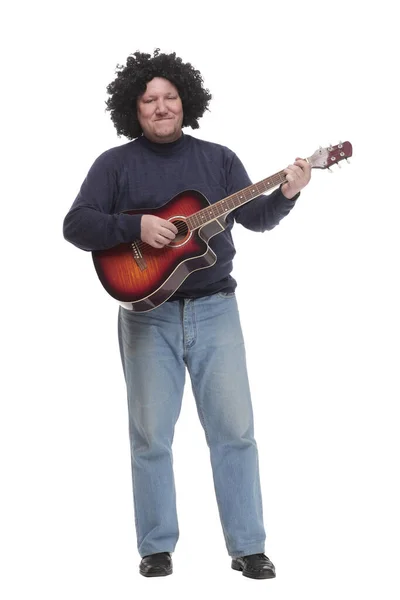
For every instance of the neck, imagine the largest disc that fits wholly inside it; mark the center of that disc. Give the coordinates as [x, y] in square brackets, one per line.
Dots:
[163, 140]
[166, 148]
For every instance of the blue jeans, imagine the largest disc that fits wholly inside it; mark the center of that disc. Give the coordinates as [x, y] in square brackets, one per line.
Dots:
[203, 335]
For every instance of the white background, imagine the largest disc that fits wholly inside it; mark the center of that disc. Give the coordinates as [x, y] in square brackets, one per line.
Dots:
[318, 298]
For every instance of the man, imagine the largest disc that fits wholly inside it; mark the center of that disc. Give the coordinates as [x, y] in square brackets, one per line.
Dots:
[198, 328]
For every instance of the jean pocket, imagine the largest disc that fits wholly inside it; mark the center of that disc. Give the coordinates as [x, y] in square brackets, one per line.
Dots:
[226, 294]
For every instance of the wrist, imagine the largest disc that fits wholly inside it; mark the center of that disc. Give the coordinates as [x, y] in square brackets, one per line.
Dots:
[287, 194]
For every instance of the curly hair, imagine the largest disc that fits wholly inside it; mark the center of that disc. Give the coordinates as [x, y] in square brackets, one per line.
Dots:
[131, 82]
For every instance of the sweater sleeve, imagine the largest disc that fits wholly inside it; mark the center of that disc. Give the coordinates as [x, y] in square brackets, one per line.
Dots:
[91, 223]
[262, 213]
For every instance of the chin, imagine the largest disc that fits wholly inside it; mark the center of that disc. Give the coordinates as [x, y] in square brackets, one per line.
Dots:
[164, 134]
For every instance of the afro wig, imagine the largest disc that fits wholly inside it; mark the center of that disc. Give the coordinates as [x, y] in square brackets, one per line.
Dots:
[131, 82]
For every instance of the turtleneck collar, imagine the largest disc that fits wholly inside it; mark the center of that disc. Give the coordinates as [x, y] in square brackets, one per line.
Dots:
[167, 148]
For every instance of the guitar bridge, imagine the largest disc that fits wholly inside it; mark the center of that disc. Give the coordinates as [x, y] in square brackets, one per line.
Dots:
[138, 257]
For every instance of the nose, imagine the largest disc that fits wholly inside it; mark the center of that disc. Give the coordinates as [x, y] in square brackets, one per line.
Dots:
[161, 108]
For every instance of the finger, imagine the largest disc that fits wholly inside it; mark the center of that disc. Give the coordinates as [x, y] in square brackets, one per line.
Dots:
[288, 170]
[161, 239]
[170, 226]
[156, 244]
[294, 170]
[303, 164]
[288, 174]
[167, 233]
[305, 172]
[289, 177]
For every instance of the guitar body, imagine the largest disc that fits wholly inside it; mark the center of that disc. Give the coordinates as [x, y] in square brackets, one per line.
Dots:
[141, 277]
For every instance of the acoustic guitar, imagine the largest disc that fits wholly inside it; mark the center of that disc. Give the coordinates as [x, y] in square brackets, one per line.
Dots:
[141, 277]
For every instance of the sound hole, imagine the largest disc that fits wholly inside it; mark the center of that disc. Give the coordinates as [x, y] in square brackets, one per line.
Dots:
[183, 232]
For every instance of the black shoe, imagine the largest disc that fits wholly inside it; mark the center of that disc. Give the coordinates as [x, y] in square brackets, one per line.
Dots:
[256, 566]
[156, 565]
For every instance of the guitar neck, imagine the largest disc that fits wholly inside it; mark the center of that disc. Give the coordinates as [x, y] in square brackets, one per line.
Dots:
[228, 204]
[323, 158]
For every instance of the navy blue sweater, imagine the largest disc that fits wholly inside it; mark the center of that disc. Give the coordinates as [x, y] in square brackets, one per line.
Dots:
[143, 174]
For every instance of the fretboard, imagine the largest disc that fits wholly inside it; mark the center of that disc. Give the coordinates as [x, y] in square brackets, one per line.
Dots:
[231, 202]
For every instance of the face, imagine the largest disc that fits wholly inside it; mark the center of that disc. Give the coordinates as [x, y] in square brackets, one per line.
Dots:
[160, 112]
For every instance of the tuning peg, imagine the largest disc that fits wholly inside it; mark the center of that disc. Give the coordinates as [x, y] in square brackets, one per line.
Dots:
[348, 160]
[330, 170]
[338, 164]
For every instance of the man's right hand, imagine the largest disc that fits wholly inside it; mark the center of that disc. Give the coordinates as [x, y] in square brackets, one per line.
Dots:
[157, 232]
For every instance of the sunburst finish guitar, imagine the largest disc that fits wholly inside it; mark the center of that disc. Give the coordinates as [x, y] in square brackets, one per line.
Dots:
[141, 277]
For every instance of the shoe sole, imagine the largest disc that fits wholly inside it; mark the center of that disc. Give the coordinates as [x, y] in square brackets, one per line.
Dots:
[156, 573]
[266, 575]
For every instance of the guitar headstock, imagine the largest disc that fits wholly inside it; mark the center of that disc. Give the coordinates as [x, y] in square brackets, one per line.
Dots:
[326, 157]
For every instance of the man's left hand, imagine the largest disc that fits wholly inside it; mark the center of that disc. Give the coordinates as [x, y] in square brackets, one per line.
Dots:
[298, 176]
